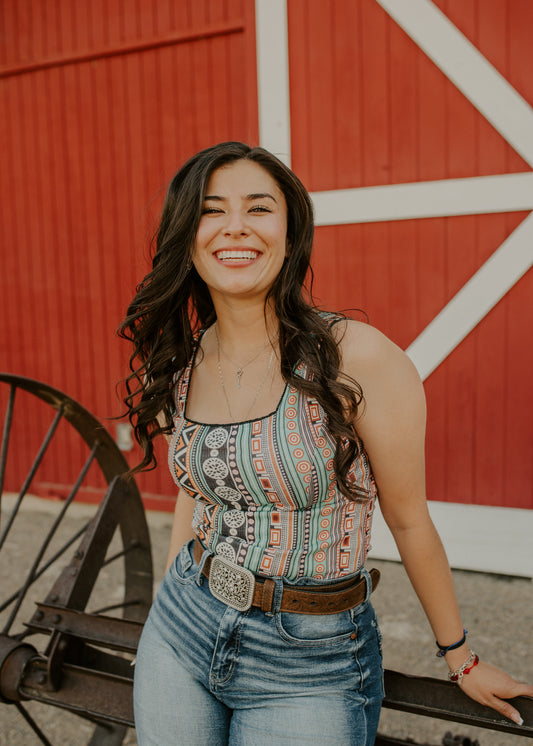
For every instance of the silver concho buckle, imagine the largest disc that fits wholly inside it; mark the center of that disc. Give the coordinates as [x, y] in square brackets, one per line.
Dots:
[231, 584]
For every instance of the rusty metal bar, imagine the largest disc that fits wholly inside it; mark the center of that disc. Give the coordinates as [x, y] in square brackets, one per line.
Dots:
[97, 659]
[75, 583]
[94, 694]
[40, 454]
[119, 634]
[441, 699]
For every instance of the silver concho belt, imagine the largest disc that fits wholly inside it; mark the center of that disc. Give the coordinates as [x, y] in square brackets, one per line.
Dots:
[231, 584]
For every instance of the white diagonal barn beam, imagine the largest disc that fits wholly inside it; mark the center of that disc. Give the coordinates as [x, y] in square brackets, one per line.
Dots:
[512, 116]
[272, 52]
[468, 69]
[475, 299]
[425, 199]
[492, 95]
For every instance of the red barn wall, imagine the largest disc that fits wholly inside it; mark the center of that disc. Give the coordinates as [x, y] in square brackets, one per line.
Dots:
[101, 106]
[101, 103]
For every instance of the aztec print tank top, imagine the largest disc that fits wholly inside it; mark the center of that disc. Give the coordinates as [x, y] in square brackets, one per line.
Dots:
[265, 491]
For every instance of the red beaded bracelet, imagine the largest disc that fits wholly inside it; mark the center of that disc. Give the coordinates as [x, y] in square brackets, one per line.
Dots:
[467, 666]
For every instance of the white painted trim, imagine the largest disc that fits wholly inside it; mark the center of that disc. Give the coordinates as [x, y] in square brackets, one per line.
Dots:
[272, 50]
[425, 199]
[476, 537]
[475, 299]
[468, 69]
[478, 195]
[496, 99]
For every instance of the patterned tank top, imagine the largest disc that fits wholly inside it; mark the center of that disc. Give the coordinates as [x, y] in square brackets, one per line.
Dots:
[265, 490]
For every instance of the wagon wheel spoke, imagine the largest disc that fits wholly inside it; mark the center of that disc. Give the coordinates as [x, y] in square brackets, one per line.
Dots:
[100, 566]
[8, 419]
[48, 538]
[33, 469]
[46, 566]
[33, 725]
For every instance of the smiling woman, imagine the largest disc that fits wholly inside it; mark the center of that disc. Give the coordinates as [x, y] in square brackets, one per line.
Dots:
[285, 424]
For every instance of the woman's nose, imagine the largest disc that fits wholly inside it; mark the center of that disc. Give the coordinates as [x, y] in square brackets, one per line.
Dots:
[235, 224]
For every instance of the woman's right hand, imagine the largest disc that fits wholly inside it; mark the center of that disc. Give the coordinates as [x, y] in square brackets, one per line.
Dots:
[492, 687]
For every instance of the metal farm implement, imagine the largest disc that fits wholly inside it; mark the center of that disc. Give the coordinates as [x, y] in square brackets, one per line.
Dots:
[71, 619]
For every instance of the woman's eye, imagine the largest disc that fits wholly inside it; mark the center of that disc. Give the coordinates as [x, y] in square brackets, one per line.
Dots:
[259, 208]
[210, 210]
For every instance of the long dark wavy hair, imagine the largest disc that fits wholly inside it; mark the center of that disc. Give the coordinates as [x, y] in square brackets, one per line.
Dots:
[172, 303]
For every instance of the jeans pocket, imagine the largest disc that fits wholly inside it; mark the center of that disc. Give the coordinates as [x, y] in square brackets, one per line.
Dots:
[184, 569]
[315, 630]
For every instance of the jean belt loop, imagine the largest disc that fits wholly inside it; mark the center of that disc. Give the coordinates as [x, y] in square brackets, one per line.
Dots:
[278, 593]
[200, 577]
[366, 575]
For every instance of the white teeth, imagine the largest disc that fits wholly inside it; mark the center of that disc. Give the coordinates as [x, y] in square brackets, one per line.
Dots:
[249, 255]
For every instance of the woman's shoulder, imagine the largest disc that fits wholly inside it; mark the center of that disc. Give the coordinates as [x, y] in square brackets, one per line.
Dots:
[359, 337]
[390, 382]
[366, 351]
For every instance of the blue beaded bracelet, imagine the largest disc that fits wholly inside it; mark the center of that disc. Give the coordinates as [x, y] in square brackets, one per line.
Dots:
[443, 649]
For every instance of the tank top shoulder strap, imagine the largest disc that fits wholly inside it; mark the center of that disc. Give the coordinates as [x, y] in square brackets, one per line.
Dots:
[182, 378]
[331, 318]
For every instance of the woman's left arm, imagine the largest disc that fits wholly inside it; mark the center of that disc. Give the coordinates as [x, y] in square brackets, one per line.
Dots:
[392, 427]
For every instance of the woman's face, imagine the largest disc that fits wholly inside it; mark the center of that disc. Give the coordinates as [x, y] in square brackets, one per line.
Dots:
[241, 241]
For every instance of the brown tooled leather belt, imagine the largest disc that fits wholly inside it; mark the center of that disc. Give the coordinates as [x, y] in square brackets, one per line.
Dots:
[327, 599]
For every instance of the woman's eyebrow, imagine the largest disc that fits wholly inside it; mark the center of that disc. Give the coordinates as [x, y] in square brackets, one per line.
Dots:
[249, 197]
[260, 195]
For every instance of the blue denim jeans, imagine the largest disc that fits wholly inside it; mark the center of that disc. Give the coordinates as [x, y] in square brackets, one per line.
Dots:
[208, 675]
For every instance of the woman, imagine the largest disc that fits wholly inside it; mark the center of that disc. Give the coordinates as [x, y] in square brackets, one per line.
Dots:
[284, 424]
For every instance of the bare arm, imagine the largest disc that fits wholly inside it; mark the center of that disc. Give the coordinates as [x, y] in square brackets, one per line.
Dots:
[181, 525]
[392, 427]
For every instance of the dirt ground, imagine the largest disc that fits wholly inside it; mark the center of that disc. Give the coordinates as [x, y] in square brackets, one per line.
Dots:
[497, 611]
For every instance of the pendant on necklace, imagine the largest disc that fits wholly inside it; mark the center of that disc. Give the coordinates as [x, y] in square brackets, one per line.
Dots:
[239, 374]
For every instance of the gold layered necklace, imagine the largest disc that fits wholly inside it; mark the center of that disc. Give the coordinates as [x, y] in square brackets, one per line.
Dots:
[240, 370]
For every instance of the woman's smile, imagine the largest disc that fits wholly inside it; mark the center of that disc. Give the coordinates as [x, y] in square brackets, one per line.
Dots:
[237, 256]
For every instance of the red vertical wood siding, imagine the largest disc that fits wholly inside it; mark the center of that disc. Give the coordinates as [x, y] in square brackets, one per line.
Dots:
[369, 108]
[101, 102]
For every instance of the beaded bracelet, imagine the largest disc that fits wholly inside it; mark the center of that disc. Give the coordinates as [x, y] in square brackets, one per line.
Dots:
[467, 666]
[443, 649]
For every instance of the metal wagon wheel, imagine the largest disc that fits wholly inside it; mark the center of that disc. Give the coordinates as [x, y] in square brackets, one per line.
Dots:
[89, 639]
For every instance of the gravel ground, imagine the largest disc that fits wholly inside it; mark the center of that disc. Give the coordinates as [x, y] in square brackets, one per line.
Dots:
[497, 610]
